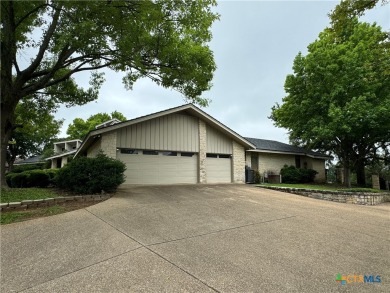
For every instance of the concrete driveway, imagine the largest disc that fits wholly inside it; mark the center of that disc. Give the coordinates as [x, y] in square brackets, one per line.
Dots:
[199, 238]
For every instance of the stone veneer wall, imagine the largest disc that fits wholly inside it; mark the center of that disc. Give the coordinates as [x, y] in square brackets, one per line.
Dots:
[202, 151]
[238, 163]
[108, 144]
[274, 162]
[94, 149]
[337, 196]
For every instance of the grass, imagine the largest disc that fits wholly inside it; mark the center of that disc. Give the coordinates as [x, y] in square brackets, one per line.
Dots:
[19, 194]
[17, 216]
[322, 187]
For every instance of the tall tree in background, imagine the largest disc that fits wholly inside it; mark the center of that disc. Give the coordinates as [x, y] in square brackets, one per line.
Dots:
[164, 40]
[338, 98]
[79, 128]
[38, 127]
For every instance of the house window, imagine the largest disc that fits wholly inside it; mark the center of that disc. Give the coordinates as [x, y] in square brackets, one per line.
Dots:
[221, 156]
[170, 154]
[129, 151]
[153, 153]
[187, 154]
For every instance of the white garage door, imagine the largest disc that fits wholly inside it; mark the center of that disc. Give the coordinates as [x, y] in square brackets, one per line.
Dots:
[153, 167]
[218, 168]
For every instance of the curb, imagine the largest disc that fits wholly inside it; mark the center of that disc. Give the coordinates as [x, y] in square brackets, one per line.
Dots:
[26, 204]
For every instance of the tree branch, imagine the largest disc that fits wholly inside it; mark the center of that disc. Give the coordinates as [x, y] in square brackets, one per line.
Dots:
[29, 13]
[23, 77]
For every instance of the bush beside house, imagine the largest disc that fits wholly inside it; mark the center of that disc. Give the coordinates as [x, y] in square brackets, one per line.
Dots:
[291, 174]
[91, 175]
[31, 178]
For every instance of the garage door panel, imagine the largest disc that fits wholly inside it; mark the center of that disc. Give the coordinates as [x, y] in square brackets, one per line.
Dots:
[219, 170]
[159, 169]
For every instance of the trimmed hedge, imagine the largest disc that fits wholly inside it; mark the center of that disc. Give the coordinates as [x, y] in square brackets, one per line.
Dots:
[33, 178]
[27, 167]
[291, 174]
[91, 175]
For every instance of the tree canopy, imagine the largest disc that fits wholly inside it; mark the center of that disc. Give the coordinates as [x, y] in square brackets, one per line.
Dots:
[338, 98]
[38, 127]
[79, 128]
[45, 43]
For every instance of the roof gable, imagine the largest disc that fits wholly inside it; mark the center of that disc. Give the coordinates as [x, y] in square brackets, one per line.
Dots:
[188, 109]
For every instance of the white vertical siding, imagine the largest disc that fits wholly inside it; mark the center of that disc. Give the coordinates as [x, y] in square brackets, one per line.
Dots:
[173, 132]
[217, 142]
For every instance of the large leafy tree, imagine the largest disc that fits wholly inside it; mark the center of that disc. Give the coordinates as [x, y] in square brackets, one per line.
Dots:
[45, 43]
[338, 98]
[38, 127]
[79, 128]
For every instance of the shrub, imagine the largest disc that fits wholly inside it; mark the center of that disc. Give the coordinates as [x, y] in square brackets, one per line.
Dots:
[291, 174]
[307, 175]
[257, 178]
[17, 180]
[91, 175]
[37, 178]
[33, 178]
[29, 167]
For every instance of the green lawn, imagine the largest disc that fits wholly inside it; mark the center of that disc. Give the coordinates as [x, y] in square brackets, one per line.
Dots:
[322, 187]
[19, 194]
[17, 216]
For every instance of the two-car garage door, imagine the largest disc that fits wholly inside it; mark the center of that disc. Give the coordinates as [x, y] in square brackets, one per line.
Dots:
[166, 167]
[157, 167]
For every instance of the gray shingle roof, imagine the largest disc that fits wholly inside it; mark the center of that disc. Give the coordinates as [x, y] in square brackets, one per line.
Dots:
[276, 146]
[31, 160]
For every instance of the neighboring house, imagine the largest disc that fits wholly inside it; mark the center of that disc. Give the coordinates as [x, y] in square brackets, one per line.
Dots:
[30, 161]
[183, 145]
[270, 156]
[63, 150]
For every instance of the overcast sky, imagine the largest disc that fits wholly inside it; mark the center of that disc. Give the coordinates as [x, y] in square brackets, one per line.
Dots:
[254, 45]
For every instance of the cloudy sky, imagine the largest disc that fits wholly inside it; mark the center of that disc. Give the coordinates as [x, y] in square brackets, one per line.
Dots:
[254, 44]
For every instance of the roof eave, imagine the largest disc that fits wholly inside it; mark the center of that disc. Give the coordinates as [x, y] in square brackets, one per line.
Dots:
[61, 155]
[325, 157]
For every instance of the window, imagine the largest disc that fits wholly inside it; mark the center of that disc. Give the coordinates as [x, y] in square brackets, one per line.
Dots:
[221, 156]
[187, 154]
[129, 151]
[153, 153]
[170, 154]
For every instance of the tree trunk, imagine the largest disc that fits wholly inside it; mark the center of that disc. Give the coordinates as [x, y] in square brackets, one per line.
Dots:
[360, 173]
[347, 177]
[347, 172]
[5, 117]
[8, 105]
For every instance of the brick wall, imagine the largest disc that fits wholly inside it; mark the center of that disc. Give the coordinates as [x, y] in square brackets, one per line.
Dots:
[108, 144]
[94, 149]
[274, 162]
[238, 163]
[202, 151]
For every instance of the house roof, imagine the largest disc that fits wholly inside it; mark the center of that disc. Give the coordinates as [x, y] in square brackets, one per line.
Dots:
[63, 154]
[187, 108]
[108, 123]
[31, 160]
[271, 146]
